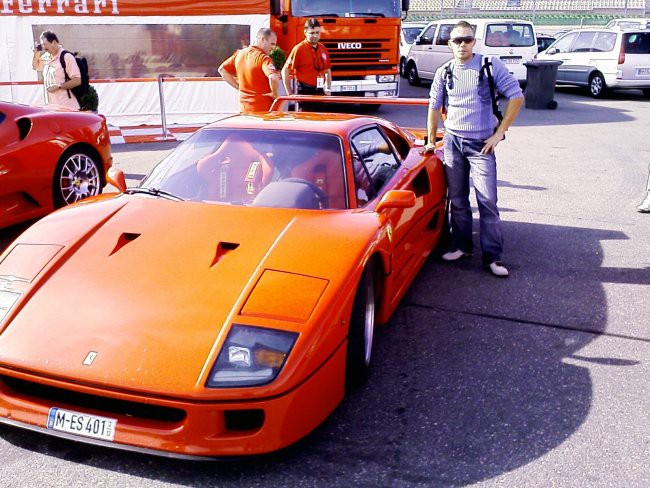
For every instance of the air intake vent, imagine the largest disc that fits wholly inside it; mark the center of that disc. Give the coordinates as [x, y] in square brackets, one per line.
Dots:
[123, 240]
[105, 405]
[24, 126]
[223, 248]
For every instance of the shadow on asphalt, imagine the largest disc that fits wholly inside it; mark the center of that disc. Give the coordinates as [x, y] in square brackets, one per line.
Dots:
[473, 377]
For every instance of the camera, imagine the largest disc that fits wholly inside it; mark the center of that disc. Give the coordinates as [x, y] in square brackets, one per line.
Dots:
[38, 47]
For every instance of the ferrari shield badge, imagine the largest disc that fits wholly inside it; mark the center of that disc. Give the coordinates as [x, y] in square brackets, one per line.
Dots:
[90, 358]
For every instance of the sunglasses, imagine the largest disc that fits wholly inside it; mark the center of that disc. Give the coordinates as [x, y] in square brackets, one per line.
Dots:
[459, 40]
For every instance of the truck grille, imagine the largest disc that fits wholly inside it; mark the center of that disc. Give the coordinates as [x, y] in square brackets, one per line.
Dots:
[363, 54]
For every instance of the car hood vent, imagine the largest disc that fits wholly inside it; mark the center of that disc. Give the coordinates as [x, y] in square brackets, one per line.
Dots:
[123, 240]
[223, 248]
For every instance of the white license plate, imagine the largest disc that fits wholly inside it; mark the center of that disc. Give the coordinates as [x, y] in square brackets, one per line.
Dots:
[81, 424]
[511, 60]
[643, 71]
[348, 87]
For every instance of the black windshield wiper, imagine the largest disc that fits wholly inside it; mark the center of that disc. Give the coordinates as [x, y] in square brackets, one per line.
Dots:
[327, 15]
[367, 14]
[155, 192]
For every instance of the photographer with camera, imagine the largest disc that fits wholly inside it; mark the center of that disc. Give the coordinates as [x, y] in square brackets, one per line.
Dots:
[47, 59]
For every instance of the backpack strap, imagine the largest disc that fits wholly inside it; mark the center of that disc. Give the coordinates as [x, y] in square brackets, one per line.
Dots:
[447, 83]
[487, 62]
[65, 72]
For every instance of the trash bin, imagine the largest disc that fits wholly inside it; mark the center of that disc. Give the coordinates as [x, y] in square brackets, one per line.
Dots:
[540, 84]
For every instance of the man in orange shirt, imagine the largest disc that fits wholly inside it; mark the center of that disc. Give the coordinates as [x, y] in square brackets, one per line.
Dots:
[308, 64]
[251, 72]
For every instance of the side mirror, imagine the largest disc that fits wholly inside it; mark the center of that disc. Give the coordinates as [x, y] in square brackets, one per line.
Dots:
[552, 50]
[396, 199]
[406, 4]
[116, 178]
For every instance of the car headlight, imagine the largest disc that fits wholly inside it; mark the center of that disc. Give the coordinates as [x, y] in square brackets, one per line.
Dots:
[251, 356]
[385, 78]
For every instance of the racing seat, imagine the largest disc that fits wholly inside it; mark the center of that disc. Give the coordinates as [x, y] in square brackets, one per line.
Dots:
[235, 172]
[325, 170]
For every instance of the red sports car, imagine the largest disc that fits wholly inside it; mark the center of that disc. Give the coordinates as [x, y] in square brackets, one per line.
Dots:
[227, 300]
[49, 158]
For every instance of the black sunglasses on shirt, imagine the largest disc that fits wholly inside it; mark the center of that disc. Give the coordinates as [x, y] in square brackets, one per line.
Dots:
[459, 40]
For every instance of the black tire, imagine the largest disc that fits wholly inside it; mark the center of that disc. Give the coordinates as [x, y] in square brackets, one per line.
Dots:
[78, 175]
[412, 75]
[402, 68]
[646, 92]
[597, 85]
[361, 331]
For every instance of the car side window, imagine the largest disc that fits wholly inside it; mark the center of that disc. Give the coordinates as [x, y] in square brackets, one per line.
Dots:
[427, 36]
[563, 44]
[373, 163]
[444, 34]
[584, 42]
[604, 41]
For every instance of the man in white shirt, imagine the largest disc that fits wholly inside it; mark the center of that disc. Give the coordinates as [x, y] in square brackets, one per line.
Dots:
[47, 60]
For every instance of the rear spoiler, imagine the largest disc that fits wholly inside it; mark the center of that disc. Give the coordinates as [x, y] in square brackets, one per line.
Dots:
[280, 104]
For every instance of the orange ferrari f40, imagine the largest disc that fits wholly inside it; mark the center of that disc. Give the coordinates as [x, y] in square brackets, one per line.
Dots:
[49, 158]
[222, 306]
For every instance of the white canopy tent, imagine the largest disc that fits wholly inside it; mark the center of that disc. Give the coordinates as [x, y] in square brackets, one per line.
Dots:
[127, 101]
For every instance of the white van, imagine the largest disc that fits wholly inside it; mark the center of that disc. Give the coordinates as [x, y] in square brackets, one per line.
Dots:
[513, 41]
[628, 23]
[409, 32]
[601, 58]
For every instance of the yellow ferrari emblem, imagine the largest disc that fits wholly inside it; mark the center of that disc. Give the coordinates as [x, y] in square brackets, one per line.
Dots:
[389, 231]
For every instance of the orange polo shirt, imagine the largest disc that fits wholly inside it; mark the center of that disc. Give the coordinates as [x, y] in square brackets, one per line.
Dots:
[252, 67]
[307, 62]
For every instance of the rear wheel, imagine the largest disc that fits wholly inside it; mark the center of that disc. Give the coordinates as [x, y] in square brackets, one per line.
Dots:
[646, 92]
[597, 86]
[77, 176]
[362, 329]
[412, 74]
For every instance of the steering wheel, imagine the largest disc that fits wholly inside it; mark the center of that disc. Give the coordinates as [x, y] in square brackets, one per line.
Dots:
[320, 194]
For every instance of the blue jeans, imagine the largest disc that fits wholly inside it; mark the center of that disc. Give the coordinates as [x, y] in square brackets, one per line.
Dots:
[462, 156]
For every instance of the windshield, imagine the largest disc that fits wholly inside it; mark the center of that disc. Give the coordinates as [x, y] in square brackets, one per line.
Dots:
[346, 8]
[410, 33]
[270, 168]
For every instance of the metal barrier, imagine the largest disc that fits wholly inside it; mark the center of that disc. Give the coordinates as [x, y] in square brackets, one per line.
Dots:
[160, 79]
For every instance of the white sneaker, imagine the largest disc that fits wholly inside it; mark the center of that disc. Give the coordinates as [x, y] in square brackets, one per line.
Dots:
[455, 255]
[645, 205]
[498, 269]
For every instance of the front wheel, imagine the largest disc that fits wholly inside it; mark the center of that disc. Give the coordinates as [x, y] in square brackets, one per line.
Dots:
[597, 85]
[362, 329]
[77, 176]
[412, 75]
[646, 92]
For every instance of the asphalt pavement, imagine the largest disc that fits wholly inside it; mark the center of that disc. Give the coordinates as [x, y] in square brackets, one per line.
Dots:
[538, 380]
